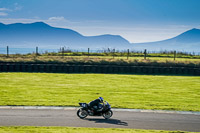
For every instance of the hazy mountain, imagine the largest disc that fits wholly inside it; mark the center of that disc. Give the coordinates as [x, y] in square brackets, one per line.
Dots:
[20, 35]
[43, 35]
[188, 41]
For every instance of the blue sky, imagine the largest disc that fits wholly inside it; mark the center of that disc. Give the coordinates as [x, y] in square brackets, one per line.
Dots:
[135, 20]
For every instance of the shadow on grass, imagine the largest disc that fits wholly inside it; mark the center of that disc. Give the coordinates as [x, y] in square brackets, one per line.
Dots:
[109, 121]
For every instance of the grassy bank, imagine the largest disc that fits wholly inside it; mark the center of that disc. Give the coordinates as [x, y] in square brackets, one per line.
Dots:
[70, 58]
[104, 60]
[77, 130]
[122, 91]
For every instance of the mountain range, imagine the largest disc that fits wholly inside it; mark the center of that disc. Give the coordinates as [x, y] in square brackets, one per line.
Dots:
[43, 35]
[188, 41]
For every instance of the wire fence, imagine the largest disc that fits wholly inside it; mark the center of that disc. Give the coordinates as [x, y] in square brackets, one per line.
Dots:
[63, 51]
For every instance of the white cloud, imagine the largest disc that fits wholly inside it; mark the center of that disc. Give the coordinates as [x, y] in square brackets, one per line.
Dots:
[3, 14]
[59, 18]
[5, 9]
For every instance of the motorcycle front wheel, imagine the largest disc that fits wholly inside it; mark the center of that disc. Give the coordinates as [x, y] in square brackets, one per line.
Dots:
[108, 114]
[82, 113]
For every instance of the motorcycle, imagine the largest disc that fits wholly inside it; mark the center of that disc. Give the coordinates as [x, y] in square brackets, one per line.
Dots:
[103, 110]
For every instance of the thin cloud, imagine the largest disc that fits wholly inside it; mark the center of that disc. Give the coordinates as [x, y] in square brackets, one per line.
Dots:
[5, 9]
[59, 18]
[3, 14]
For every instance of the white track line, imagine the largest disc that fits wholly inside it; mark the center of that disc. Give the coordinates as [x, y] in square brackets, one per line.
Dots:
[114, 109]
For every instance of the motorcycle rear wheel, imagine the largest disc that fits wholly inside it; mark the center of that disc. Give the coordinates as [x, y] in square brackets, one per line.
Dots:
[82, 113]
[108, 114]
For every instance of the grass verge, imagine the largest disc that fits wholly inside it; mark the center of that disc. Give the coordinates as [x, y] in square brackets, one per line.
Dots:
[105, 60]
[28, 129]
[121, 91]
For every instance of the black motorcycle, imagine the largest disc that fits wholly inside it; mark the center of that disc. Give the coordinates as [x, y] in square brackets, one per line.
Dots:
[103, 110]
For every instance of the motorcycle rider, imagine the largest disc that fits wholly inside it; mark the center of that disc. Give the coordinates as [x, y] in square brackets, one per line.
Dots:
[94, 105]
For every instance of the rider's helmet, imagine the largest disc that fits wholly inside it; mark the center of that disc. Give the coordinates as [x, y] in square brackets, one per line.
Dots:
[101, 99]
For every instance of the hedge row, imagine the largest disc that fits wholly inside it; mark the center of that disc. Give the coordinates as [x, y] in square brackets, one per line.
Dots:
[64, 68]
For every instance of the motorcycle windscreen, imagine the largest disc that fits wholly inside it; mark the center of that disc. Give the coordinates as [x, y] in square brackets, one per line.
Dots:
[83, 105]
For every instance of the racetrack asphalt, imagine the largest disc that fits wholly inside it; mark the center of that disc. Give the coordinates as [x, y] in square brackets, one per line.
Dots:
[121, 119]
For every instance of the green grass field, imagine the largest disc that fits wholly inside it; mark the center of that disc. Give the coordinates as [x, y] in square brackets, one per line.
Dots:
[78, 130]
[121, 91]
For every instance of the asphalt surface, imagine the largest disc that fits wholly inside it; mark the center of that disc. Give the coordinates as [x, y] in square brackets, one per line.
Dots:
[120, 119]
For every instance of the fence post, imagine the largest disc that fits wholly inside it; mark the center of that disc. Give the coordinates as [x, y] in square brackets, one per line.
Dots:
[128, 54]
[113, 53]
[88, 52]
[62, 51]
[7, 51]
[174, 55]
[145, 54]
[36, 51]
